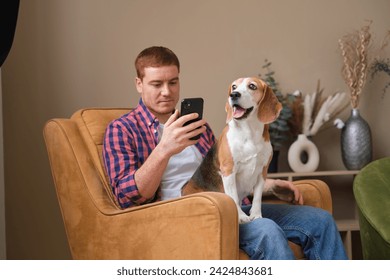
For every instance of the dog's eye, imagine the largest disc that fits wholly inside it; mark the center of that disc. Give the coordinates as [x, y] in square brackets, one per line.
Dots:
[234, 87]
[252, 86]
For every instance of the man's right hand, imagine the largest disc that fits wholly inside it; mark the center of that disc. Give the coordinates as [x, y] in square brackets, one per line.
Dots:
[174, 139]
[176, 136]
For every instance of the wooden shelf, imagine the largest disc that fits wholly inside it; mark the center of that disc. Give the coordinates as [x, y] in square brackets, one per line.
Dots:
[291, 175]
[348, 225]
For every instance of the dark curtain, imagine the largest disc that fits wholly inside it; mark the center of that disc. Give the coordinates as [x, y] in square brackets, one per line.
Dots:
[8, 17]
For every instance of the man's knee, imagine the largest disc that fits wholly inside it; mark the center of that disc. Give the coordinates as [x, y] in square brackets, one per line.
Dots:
[264, 239]
[262, 228]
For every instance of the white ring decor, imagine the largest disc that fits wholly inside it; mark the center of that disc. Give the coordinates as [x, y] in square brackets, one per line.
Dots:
[301, 145]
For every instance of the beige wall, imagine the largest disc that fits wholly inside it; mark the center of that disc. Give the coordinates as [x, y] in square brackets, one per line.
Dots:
[70, 54]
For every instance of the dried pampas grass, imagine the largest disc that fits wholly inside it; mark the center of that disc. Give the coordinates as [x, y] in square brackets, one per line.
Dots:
[311, 112]
[354, 50]
[359, 59]
[297, 109]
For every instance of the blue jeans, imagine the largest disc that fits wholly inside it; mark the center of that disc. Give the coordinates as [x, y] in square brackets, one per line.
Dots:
[312, 228]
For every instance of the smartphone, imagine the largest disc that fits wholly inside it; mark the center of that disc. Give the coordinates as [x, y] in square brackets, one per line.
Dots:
[192, 105]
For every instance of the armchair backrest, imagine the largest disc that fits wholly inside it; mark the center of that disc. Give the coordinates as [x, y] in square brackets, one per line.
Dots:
[75, 153]
[92, 123]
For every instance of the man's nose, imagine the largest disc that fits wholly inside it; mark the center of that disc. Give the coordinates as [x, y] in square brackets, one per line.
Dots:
[165, 90]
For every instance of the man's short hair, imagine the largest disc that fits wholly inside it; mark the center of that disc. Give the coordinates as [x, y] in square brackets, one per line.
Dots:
[155, 57]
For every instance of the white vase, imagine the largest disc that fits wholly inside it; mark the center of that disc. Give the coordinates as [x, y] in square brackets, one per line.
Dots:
[303, 146]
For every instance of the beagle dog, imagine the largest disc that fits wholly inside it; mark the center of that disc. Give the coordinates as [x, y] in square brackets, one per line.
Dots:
[237, 164]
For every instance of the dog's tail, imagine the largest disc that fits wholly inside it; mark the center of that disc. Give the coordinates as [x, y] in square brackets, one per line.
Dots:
[206, 178]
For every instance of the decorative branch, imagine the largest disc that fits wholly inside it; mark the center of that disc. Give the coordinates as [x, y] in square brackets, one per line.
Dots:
[354, 50]
[313, 112]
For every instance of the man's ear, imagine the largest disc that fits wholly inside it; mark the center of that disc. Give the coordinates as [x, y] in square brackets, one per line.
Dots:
[138, 84]
[270, 107]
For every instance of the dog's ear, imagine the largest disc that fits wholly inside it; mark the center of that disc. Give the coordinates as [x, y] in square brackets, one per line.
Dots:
[270, 107]
[228, 109]
[229, 112]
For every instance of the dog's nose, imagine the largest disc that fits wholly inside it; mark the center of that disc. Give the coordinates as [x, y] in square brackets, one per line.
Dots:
[235, 95]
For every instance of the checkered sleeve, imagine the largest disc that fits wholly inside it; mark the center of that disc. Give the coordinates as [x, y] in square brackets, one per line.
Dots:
[206, 141]
[121, 162]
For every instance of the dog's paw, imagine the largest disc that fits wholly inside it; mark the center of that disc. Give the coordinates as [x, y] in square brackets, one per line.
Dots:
[244, 219]
[254, 216]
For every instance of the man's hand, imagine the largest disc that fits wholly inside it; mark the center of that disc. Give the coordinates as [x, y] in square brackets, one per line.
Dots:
[176, 137]
[284, 190]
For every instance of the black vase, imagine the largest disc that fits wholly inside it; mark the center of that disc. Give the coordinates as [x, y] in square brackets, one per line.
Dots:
[356, 142]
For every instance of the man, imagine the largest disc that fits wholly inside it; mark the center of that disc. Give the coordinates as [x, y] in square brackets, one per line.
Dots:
[149, 156]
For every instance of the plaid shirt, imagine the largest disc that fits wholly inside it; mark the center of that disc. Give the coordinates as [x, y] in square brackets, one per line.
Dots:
[128, 142]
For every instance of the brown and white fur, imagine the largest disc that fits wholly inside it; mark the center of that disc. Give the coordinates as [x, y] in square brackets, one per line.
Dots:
[238, 163]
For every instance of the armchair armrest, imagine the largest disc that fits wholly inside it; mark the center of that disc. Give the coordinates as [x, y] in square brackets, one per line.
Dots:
[315, 193]
[200, 226]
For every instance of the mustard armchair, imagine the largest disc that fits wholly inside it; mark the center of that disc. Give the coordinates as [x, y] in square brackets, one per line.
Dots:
[199, 226]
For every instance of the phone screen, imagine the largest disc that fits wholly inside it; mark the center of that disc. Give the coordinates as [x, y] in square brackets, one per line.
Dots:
[192, 105]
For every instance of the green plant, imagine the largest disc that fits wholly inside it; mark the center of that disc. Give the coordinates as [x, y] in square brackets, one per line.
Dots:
[380, 65]
[278, 129]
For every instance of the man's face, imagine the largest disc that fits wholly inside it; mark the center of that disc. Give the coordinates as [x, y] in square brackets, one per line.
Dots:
[160, 90]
